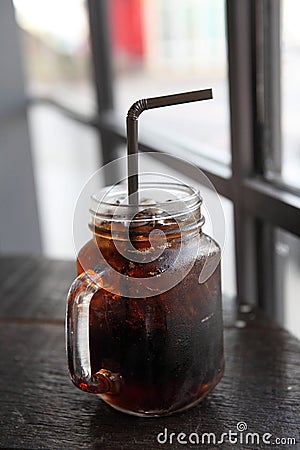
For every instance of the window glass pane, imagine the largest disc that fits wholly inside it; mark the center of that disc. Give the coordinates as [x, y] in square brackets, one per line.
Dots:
[65, 154]
[168, 46]
[290, 47]
[282, 91]
[55, 40]
[287, 249]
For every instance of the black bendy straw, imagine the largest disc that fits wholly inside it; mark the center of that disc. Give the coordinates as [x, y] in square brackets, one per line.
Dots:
[132, 130]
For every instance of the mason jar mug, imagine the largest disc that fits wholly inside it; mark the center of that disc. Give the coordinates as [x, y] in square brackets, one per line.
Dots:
[144, 316]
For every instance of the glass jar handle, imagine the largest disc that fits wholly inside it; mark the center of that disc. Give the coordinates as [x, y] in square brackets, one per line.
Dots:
[77, 338]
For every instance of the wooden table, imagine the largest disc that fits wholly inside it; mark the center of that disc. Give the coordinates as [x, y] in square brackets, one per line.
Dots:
[40, 408]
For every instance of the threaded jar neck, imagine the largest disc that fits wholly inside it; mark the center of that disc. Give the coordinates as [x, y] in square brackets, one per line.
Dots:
[170, 207]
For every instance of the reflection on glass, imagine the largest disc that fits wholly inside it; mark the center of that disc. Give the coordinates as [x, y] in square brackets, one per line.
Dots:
[56, 50]
[290, 60]
[167, 46]
[287, 248]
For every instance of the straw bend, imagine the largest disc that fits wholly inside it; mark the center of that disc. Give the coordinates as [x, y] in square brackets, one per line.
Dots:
[132, 129]
[136, 109]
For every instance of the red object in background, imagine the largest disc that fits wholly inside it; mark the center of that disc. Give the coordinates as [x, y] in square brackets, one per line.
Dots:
[127, 27]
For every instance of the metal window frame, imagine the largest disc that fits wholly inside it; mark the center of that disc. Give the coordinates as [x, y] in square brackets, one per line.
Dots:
[260, 203]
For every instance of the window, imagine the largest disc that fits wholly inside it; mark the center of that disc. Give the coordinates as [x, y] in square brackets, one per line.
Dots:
[280, 67]
[160, 47]
[64, 152]
[144, 48]
[57, 57]
[276, 155]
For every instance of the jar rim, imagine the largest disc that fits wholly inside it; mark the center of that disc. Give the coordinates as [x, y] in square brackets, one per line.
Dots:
[107, 204]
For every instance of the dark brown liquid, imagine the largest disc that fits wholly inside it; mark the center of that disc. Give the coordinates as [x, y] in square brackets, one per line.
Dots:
[168, 348]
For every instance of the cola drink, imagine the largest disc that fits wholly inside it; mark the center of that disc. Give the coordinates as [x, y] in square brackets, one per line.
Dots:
[168, 348]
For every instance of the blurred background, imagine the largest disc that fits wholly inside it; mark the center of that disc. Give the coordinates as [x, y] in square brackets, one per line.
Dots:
[70, 69]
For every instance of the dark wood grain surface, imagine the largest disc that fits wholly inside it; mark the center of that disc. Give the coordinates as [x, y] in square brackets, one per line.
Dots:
[40, 408]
